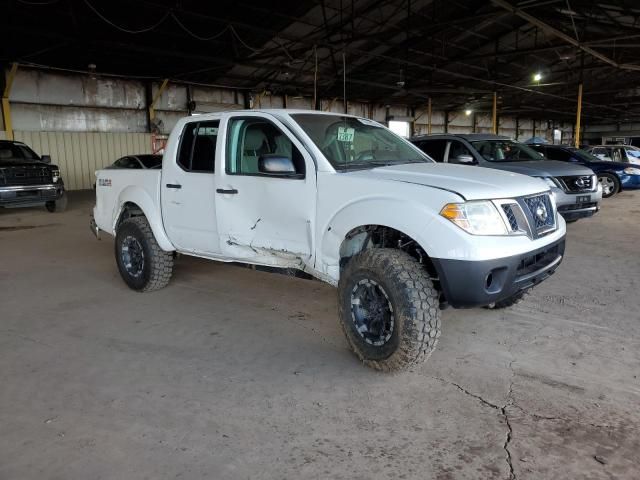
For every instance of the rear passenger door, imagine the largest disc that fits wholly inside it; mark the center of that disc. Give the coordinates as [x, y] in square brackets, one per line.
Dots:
[188, 190]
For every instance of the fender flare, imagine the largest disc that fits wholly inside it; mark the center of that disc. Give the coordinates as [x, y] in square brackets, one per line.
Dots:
[381, 210]
[139, 197]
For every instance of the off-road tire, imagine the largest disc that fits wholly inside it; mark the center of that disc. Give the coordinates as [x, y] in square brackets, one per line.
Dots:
[57, 206]
[415, 302]
[616, 184]
[510, 301]
[157, 264]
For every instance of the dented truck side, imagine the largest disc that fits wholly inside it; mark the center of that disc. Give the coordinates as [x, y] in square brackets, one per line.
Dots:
[345, 201]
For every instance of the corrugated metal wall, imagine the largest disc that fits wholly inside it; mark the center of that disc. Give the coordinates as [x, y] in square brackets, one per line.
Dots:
[80, 154]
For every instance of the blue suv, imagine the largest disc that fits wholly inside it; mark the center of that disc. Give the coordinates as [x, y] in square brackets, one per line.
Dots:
[612, 176]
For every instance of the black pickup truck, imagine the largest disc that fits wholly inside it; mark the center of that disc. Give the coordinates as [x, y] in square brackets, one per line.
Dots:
[27, 179]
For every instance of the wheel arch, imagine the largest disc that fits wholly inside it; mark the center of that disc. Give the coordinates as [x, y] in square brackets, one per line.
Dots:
[134, 202]
[381, 214]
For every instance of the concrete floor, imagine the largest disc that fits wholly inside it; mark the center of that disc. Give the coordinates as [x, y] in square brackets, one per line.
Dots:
[231, 373]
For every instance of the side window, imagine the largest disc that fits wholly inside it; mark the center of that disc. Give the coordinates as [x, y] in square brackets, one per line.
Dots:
[457, 150]
[558, 154]
[618, 155]
[250, 139]
[198, 146]
[434, 148]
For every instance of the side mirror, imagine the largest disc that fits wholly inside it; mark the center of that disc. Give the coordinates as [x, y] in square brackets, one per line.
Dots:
[465, 160]
[45, 158]
[276, 165]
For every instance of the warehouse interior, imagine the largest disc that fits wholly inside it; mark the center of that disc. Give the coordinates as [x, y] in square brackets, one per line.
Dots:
[201, 380]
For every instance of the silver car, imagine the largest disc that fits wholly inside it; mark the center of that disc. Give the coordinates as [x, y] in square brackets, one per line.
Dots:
[575, 187]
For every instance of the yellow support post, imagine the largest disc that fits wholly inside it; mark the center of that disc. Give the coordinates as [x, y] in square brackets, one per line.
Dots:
[6, 107]
[578, 114]
[429, 117]
[152, 107]
[494, 114]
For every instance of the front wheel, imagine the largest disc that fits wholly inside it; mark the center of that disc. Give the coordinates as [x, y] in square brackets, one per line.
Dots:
[510, 301]
[143, 265]
[59, 205]
[610, 184]
[389, 309]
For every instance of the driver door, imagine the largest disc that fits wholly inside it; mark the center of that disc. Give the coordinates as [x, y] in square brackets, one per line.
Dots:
[265, 218]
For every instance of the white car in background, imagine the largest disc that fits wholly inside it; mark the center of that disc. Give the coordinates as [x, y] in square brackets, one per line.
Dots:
[616, 153]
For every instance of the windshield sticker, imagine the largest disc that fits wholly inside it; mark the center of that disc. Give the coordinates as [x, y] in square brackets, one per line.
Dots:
[213, 131]
[345, 134]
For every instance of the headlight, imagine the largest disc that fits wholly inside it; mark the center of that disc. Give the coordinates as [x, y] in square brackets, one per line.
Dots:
[632, 171]
[477, 218]
[56, 175]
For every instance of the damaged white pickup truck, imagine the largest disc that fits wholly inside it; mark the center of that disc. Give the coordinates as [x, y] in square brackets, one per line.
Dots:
[345, 200]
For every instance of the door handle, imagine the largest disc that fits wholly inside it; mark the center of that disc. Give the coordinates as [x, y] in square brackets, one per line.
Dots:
[174, 185]
[231, 191]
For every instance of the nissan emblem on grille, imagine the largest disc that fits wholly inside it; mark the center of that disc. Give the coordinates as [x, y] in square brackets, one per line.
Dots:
[541, 212]
[580, 182]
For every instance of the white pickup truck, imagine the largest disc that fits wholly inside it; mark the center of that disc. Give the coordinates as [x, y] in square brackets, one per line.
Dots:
[345, 200]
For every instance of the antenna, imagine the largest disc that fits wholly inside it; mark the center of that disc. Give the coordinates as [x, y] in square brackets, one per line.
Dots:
[344, 81]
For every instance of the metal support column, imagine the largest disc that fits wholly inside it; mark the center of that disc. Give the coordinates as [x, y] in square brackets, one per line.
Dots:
[6, 107]
[578, 114]
[152, 107]
[494, 114]
[429, 117]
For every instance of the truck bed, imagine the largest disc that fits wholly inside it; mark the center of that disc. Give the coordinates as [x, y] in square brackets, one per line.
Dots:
[110, 185]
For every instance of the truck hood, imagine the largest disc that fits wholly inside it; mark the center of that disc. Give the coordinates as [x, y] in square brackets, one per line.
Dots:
[22, 163]
[541, 168]
[471, 183]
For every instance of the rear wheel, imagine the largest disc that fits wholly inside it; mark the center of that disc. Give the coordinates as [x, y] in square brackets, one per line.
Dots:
[610, 184]
[143, 265]
[389, 309]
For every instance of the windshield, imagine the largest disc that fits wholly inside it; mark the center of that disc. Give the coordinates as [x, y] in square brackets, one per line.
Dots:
[356, 143]
[585, 156]
[12, 152]
[506, 151]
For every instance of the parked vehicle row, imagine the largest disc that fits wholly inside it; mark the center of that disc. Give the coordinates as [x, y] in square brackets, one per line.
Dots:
[575, 188]
[402, 228]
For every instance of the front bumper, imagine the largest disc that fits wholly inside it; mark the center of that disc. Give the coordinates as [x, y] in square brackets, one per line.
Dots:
[573, 206]
[29, 195]
[473, 283]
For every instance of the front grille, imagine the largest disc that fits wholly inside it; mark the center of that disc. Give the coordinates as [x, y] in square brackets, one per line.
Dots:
[541, 213]
[577, 206]
[35, 175]
[579, 183]
[511, 216]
